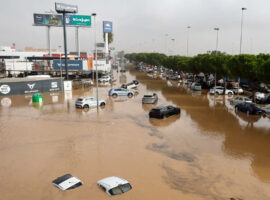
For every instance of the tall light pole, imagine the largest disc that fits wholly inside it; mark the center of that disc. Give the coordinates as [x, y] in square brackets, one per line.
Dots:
[188, 38]
[166, 45]
[60, 65]
[242, 21]
[216, 29]
[94, 15]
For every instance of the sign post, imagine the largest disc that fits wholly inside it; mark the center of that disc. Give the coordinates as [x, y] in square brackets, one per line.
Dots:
[65, 8]
[107, 28]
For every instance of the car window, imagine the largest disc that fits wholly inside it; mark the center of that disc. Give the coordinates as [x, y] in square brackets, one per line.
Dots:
[126, 187]
[115, 191]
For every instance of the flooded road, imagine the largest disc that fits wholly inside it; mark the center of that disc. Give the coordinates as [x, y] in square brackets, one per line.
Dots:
[208, 152]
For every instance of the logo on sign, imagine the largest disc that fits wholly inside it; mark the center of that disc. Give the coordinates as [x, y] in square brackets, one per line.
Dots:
[54, 85]
[108, 25]
[31, 86]
[4, 89]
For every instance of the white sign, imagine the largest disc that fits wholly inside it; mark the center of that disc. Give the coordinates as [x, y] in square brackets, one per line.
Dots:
[31, 86]
[54, 85]
[4, 89]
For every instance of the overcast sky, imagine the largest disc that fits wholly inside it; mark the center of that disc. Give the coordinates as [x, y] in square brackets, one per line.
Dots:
[147, 25]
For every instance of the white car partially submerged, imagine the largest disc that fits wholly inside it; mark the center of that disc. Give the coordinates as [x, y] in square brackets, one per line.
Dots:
[67, 182]
[114, 185]
[220, 90]
[87, 102]
[105, 78]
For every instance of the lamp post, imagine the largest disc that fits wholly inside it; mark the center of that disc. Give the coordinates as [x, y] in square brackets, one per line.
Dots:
[166, 45]
[188, 38]
[94, 15]
[61, 66]
[216, 29]
[242, 21]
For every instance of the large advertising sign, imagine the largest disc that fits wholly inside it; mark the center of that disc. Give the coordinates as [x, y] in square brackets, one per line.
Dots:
[45, 19]
[72, 64]
[57, 20]
[80, 20]
[30, 87]
[66, 8]
[107, 27]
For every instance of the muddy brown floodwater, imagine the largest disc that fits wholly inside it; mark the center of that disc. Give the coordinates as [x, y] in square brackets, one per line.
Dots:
[208, 152]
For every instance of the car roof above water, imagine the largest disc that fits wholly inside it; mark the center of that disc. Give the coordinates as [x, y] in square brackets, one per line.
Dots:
[112, 182]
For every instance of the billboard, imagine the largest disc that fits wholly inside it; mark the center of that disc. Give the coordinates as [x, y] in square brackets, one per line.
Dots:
[72, 64]
[48, 19]
[65, 8]
[80, 20]
[107, 27]
[57, 20]
[30, 87]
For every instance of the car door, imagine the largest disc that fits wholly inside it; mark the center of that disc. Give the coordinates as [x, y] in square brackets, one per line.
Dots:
[90, 101]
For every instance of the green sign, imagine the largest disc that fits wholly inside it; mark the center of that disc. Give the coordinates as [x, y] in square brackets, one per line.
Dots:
[57, 20]
[81, 20]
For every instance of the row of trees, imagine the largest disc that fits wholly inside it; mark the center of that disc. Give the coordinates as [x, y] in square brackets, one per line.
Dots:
[254, 68]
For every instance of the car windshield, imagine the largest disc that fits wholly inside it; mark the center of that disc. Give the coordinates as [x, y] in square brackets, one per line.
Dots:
[80, 99]
[120, 189]
[156, 110]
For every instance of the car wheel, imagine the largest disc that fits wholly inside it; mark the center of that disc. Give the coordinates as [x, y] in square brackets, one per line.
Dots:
[102, 104]
[217, 93]
[86, 106]
[230, 93]
[114, 95]
[130, 95]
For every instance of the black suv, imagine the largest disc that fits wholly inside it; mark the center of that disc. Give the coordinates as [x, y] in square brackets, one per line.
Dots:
[164, 111]
[249, 108]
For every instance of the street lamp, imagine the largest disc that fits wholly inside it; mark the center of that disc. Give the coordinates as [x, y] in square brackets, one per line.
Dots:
[95, 24]
[61, 66]
[216, 29]
[188, 38]
[242, 19]
[166, 45]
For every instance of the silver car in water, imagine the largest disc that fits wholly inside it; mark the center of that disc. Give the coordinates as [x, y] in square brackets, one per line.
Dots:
[150, 98]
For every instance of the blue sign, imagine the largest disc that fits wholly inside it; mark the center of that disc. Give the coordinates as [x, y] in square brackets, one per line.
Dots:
[107, 27]
[68, 19]
[72, 64]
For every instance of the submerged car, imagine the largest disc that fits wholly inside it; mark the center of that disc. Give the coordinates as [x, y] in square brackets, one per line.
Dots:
[196, 86]
[121, 92]
[266, 109]
[150, 98]
[237, 90]
[67, 182]
[161, 112]
[220, 90]
[249, 108]
[87, 102]
[132, 85]
[238, 100]
[105, 78]
[114, 185]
